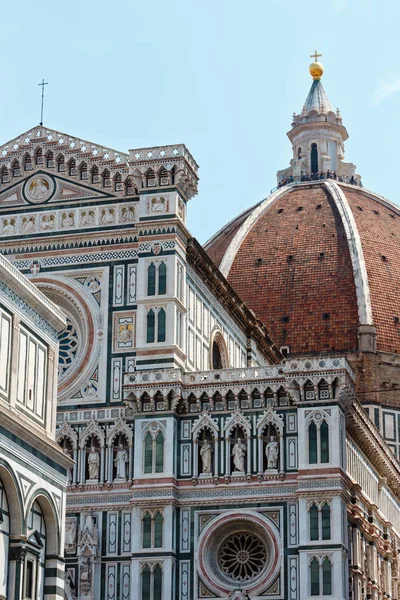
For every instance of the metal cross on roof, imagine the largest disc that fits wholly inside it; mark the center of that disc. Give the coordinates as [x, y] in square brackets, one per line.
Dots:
[41, 110]
[315, 56]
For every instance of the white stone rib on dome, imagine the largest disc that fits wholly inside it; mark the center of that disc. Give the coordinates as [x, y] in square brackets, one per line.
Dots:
[356, 253]
[317, 100]
[240, 235]
[352, 236]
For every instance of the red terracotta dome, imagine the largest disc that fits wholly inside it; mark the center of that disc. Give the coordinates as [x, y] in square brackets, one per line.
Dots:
[315, 261]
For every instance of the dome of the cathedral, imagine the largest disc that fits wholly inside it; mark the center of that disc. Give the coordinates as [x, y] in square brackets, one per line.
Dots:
[315, 261]
[318, 261]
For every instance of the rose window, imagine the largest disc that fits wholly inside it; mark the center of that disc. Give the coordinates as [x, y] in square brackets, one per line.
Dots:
[242, 556]
[239, 550]
[68, 347]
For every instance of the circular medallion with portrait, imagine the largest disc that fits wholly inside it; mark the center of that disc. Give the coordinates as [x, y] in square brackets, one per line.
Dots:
[38, 188]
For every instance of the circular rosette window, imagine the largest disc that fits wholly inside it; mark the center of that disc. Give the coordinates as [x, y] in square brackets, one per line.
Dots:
[239, 551]
[76, 358]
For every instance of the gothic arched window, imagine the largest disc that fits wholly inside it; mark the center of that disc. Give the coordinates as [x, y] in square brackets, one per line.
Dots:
[146, 580]
[148, 453]
[39, 156]
[50, 160]
[4, 175]
[153, 451]
[324, 433]
[106, 178]
[83, 171]
[157, 583]
[118, 182]
[326, 577]
[314, 158]
[151, 178]
[72, 167]
[95, 177]
[161, 330]
[312, 444]
[159, 443]
[16, 171]
[61, 163]
[326, 521]
[28, 162]
[151, 319]
[146, 530]
[151, 280]
[162, 278]
[314, 577]
[314, 522]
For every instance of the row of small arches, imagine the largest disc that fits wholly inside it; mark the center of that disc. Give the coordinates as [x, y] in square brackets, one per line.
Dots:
[150, 179]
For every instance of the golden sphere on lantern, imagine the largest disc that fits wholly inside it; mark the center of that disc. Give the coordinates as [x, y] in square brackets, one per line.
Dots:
[316, 70]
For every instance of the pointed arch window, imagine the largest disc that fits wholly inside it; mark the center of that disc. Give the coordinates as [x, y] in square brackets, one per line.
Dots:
[157, 595]
[95, 177]
[148, 453]
[314, 576]
[312, 444]
[326, 521]
[151, 322]
[5, 178]
[39, 156]
[159, 452]
[324, 433]
[151, 280]
[16, 170]
[320, 522]
[314, 522]
[151, 178]
[72, 167]
[61, 164]
[164, 177]
[84, 171]
[28, 163]
[161, 332]
[154, 452]
[156, 325]
[162, 279]
[50, 164]
[157, 279]
[146, 530]
[318, 442]
[314, 158]
[129, 187]
[152, 530]
[118, 182]
[106, 178]
[146, 580]
[326, 577]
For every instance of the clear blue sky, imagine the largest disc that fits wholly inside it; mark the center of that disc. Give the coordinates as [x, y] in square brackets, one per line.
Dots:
[221, 76]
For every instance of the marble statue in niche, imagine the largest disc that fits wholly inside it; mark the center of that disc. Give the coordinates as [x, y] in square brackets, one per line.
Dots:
[238, 453]
[272, 453]
[206, 456]
[121, 462]
[93, 464]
